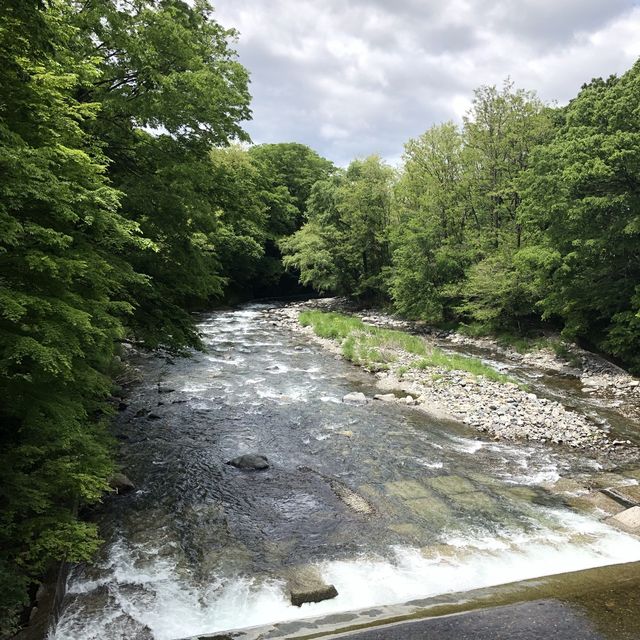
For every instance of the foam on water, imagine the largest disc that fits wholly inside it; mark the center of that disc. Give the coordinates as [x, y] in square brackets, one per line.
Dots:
[172, 606]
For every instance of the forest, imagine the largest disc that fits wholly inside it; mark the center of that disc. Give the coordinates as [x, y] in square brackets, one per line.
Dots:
[132, 197]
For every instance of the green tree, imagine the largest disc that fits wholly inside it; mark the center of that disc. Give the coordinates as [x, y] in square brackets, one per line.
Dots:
[501, 131]
[241, 212]
[583, 199]
[344, 246]
[62, 297]
[170, 88]
[297, 168]
[430, 219]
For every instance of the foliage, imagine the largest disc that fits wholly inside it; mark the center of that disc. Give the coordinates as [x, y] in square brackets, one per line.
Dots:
[344, 246]
[583, 199]
[170, 88]
[107, 211]
[62, 297]
[427, 237]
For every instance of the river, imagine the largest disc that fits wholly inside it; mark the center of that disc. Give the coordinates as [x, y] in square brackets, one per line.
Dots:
[201, 547]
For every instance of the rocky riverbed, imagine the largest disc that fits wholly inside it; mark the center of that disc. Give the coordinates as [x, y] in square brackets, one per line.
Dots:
[503, 410]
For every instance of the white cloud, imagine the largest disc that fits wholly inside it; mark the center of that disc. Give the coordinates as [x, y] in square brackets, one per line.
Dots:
[355, 77]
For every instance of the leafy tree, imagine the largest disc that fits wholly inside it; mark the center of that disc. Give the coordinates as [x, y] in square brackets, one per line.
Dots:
[501, 129]
[344, 246]
[170, 88]
[430, 219]
[241, 213]
[297, 168]
[62, 297]
[108, 113]
[583, 198]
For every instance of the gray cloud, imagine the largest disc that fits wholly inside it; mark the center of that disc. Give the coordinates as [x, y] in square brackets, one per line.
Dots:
[354, 77]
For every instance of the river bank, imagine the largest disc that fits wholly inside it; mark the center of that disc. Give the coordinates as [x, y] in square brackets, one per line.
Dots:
[501, 409]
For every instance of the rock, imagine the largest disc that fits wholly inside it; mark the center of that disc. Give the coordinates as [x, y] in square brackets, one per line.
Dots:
[629, 496]
[305, 584]
[162, 389]
[153, 416]
[346, 434]
[121, 484]
[627, 520]
[357, 397]
[385, 397]
[250, 462]
[410, 400]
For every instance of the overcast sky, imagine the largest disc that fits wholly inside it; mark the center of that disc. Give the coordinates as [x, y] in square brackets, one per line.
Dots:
[355, 77]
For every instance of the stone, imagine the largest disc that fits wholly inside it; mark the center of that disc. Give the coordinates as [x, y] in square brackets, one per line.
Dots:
[250, 462]
[305, 585]
[385, 397]
[357, 397]
[353, 500]
[162, 389]
[627, 520]
[407, 490]
[598, 500]
[565, 485]
[626, 494]
[410, 400]
[121, 484]
[346, 434]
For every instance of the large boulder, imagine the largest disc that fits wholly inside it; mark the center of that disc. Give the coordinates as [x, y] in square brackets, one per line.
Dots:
[250, 462]
[121, 484]
[305, 584]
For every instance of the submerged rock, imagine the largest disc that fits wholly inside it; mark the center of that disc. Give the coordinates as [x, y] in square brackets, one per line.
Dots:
[163, 389]
[250, 462]
[305, 584]
[121, 484]
[357, 397]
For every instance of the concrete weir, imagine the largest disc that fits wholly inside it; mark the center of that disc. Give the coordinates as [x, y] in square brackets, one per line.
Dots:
[594, 604]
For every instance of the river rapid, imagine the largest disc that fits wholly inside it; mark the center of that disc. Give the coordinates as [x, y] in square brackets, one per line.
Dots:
[201, 547]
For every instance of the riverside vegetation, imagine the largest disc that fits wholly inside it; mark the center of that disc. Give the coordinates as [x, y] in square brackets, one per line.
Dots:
[130, 197]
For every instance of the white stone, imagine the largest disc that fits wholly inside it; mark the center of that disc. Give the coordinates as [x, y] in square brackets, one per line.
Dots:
[385, 397]
[629, 519]
[357, 397]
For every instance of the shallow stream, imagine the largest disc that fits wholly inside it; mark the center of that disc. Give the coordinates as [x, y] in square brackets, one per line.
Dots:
[201, 547]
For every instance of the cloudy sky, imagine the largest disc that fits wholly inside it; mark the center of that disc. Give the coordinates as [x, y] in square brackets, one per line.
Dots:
[355, 77]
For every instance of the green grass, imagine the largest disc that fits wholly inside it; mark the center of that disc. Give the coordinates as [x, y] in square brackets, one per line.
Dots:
[375, 348]
[454, 362]
[329, 324]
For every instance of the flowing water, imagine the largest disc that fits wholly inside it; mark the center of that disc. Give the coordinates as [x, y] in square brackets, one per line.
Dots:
[388, 503]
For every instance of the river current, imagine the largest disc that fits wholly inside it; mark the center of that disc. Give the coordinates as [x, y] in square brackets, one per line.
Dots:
[201, 547]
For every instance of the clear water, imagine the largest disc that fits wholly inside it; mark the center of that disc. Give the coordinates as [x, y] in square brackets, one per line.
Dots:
[201, 547]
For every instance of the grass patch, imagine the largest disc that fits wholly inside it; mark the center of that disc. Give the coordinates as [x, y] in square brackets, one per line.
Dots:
[331, 325]
[375, 348]
[455, 362]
